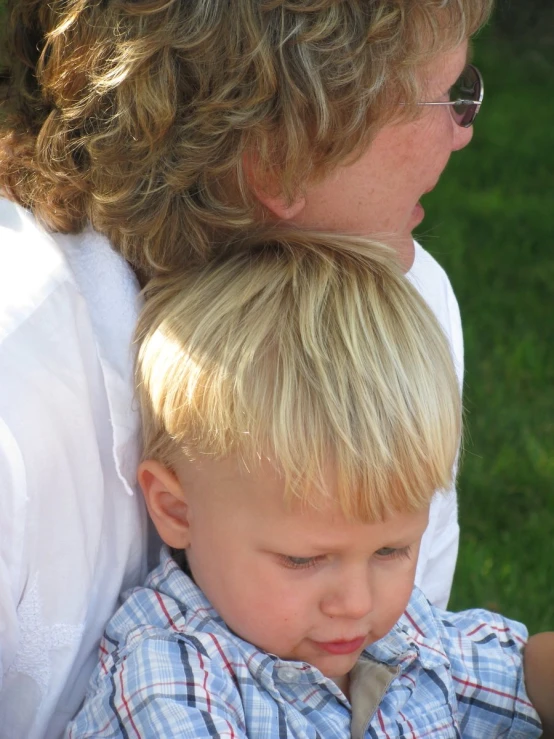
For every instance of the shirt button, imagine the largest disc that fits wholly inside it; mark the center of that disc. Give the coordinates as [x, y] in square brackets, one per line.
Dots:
[287, 674]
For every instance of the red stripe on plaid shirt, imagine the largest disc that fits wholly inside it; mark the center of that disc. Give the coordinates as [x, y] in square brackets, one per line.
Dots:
[382, 723]
[125, 701]
[416, 627]
[484, 688]
[410, 727]
[208, 699]
[437, 731]
[165, 611]
[103, 655]
[500, 630]
[226, 662]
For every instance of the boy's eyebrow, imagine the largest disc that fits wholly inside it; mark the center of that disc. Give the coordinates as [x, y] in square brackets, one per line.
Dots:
[311, 549]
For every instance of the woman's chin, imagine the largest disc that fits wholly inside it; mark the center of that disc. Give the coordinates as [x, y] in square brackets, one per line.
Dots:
[418, 214]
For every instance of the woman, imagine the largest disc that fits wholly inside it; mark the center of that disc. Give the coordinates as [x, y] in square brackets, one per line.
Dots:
[163, 129]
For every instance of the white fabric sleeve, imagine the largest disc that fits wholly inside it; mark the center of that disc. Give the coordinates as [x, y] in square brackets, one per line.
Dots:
[12, 526]
[437, 561]
[439, 547]
[71, 536]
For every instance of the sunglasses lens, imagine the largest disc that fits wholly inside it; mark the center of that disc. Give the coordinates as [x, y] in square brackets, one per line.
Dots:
[467, 87]
[464, 114]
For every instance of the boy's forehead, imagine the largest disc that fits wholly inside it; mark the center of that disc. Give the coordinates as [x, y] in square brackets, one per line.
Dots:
[255, 494]
[326, 530]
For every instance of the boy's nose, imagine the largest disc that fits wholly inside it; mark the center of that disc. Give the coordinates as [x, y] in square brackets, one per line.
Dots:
[351, 598]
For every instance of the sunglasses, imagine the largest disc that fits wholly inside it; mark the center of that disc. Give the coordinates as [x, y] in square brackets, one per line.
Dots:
[466, 96]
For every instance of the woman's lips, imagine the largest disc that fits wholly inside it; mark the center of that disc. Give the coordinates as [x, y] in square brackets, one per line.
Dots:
[341, 647]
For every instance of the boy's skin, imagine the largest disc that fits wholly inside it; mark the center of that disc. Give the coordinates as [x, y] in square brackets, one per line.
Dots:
[302, 583]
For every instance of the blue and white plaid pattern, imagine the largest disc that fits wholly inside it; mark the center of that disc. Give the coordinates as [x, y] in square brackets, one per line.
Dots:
[170, 668]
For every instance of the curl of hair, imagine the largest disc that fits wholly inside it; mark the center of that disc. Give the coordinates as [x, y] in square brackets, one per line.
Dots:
[135, 115]
[310, 350]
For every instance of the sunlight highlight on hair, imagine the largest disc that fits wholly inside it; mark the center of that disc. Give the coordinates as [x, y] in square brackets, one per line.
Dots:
[310, 350]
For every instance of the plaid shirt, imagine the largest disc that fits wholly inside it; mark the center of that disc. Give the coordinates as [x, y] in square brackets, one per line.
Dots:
[169, 667]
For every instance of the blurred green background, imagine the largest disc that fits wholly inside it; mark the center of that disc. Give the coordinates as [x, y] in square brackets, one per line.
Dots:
[491, 225]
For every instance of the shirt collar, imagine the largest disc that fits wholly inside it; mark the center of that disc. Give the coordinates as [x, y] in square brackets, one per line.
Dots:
[414, 636]
[197, 613]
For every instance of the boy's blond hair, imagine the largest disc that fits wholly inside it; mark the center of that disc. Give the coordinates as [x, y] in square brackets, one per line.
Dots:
[137, 115]
[310, 350]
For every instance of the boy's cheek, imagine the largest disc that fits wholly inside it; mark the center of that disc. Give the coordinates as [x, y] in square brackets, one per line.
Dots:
[391, 596]
[271, 615]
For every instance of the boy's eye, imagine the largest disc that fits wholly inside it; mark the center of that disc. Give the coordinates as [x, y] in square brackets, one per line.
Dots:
[393, 553]
[299, 563]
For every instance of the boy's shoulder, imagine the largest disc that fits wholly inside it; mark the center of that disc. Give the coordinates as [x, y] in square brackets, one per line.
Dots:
[441, 637]
[165, 666]
[169, 622]
[170, 667]
[168, 606]
[465, 665]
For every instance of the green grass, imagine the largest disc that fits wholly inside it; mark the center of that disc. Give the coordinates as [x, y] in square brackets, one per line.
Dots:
[491, 225]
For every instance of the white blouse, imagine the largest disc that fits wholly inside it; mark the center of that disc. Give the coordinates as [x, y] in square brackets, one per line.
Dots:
[72, 531]
[439, 546]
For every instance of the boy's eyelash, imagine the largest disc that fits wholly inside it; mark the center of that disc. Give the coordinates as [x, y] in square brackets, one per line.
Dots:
[392, 553]
[305, 563]
[299, 563]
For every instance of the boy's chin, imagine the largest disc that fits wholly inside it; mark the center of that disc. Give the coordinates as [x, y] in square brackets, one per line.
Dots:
[337, 667]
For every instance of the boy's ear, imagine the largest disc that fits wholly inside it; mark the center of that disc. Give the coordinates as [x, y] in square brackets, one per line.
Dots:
[266, 189]
[166, 502]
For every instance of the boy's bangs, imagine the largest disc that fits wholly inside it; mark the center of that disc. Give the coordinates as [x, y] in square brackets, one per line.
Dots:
[313, 351]
[383, 463]
[368, 495]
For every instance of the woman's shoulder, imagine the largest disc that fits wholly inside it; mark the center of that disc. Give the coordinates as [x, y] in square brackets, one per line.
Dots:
[68, 309]
[68, 455]
[31, 265]
[427, 274]
[34, 264]
[431, 281]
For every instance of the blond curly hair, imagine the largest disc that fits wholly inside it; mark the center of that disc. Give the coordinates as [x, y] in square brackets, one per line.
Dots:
[135, 115]
[310, 350]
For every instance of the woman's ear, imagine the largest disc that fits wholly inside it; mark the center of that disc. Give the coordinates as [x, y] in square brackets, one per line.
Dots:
[267, 190]
[166, 502]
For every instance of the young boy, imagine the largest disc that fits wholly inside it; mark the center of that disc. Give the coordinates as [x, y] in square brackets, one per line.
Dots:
[300, 408]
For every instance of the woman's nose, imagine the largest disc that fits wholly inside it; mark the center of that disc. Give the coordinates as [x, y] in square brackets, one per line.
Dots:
[461, 137]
